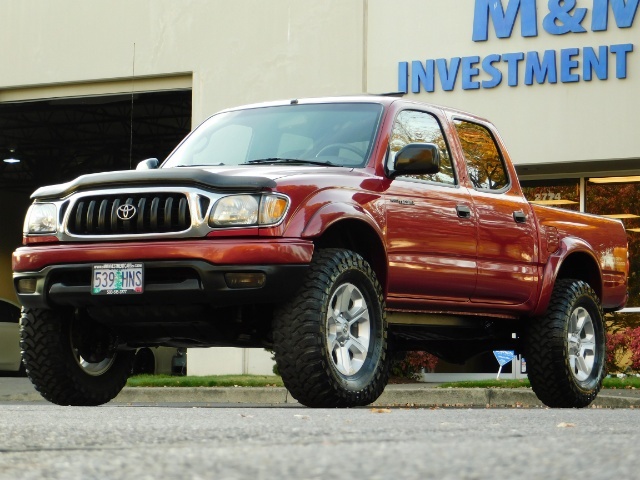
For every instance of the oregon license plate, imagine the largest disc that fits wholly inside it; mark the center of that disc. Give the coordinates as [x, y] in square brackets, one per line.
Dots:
[117, 279]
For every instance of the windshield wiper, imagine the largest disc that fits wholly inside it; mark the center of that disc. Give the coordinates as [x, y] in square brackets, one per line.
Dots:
[290, 160]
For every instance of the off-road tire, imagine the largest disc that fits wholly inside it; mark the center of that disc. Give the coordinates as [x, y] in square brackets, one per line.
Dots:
[304, 332]
[48, 355]
[555, 374]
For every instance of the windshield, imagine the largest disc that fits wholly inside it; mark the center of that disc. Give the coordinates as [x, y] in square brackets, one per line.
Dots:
[336, 134]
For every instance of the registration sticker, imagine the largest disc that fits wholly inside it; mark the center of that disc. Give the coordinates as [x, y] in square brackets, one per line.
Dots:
[117, 279]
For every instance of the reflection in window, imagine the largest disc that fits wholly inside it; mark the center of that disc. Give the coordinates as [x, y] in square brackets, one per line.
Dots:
[622, 201]
[484, 164]
[563, 193]
[419, 127]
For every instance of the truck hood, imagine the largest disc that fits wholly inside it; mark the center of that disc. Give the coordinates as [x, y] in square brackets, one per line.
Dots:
[244, 178]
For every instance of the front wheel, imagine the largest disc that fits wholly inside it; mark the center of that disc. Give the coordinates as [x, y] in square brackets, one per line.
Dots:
[330, 341]
[565, 349]
[72, 362]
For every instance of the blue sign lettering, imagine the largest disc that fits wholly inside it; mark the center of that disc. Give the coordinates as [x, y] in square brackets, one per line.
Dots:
[624, 12]
[491, 70]
[620, 51]
[448, 74]
[538, 67]
[512, 60]
[598, 64]
[423, 75]
[542, 70]
[563, 17]
[568, 64]
[503, 22]
[469, 72]
[561, 20]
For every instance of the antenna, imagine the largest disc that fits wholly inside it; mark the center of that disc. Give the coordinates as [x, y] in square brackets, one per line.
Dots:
[133, 77]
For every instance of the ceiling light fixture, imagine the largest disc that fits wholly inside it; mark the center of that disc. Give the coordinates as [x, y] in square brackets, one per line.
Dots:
[553, 202]
[12, 159]
[633, 178]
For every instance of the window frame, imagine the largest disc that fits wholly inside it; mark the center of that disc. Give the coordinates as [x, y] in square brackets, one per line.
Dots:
[406, 178]
[509, 183]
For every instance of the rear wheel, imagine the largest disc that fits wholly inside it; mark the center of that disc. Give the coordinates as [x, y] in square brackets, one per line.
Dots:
[331, 339]
[72, 362]
[565, 349]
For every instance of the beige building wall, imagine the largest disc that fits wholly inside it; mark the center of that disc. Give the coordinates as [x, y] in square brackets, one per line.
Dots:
[238, 52]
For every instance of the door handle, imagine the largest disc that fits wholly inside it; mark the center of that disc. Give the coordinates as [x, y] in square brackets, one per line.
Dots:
[463, 211]
[519, 216]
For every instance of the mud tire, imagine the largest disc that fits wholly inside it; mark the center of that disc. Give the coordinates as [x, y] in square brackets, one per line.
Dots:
[554, 343]
[52, 362]
[310, 347]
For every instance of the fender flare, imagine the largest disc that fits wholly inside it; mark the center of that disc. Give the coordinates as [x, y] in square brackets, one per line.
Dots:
[568, 246]
[331, 213]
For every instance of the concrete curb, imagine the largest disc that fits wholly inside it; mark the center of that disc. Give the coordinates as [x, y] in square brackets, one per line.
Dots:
[393, 396]
[396, 395]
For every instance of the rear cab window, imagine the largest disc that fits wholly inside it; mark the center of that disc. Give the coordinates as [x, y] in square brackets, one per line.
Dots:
[485, 165]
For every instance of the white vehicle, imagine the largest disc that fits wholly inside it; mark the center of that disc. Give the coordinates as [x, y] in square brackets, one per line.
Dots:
[10, 360]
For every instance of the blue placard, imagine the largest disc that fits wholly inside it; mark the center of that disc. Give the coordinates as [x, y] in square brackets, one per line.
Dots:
[504, 356]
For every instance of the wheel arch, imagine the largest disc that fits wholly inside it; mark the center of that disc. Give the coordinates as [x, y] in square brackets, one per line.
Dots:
[573, 260]
[350, 227]
[582, 266]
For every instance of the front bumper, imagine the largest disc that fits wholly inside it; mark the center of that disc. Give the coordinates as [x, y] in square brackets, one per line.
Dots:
[176, 273]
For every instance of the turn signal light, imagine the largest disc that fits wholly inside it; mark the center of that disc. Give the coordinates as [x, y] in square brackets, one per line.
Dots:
[245, 280]
[27, 285]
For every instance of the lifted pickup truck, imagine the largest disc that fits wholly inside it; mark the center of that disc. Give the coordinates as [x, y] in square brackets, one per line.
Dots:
[335, 231]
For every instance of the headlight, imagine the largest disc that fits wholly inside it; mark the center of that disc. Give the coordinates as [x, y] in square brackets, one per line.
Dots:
[41, 218]
[248, 210]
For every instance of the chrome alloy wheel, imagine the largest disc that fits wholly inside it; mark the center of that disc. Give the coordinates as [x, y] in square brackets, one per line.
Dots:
[94, 369]
[348, 329]
[101, 365]
[581, 344]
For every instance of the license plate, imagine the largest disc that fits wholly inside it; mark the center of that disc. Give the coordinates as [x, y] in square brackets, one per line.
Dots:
[117, 279]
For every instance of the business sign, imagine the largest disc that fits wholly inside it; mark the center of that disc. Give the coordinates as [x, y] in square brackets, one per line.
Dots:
[567, 65]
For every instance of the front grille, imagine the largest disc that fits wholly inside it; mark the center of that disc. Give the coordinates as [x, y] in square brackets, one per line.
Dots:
[155, 213]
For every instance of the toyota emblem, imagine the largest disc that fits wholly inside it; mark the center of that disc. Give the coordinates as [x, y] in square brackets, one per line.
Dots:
[126, 212]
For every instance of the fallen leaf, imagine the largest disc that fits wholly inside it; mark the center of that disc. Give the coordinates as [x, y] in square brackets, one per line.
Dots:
[380, 410]
[566, 425]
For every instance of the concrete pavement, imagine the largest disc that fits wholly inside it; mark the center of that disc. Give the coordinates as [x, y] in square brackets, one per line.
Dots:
[395, 395]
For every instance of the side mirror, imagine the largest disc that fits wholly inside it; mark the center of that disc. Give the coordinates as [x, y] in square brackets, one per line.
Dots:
[148, 164]
[416, 159]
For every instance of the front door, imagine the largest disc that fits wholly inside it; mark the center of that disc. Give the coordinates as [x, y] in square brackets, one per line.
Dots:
[431, 228]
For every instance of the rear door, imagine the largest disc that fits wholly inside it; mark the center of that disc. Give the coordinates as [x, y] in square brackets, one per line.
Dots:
[507, 246]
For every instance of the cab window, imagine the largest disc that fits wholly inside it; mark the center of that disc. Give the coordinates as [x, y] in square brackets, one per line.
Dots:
[412, 126]
[484, 163]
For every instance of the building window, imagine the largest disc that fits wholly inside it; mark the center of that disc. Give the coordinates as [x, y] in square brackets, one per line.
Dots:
[620, 200]
[563, 193]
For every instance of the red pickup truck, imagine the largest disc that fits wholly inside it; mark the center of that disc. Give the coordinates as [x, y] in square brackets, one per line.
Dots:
[335, 231]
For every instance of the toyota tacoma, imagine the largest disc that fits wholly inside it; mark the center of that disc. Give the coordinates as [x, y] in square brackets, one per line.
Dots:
[334, 231]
